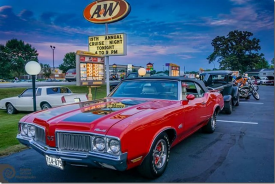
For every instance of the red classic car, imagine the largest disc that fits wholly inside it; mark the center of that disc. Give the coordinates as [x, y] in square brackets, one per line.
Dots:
[135, 126]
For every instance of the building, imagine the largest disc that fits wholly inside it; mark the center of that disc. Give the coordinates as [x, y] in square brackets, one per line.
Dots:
[261, 72]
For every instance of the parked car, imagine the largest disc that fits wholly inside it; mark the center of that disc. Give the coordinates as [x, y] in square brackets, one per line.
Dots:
[222, 80]
[135, 126]
[268, 80]
[71, 75]
[255, 79]
[46, 97]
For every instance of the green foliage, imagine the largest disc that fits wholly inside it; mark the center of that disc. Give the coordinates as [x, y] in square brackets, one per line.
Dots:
[46, 69]
[153, 72]
[236, 51]
[18, 54]
[68, 62]
[4, 63]
[263, 63]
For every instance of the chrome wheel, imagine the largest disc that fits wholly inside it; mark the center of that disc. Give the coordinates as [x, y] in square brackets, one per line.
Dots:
[160, 154]
[10, 109]
[213, 122]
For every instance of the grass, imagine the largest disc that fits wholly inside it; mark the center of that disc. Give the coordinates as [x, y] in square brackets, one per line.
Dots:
[9, 122]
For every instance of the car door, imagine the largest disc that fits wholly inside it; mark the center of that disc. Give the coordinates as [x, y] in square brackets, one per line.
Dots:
[193, 111]
[25, 101]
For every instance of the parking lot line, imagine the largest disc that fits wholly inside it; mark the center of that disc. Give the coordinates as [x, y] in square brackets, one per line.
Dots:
[253, 103]
[244, 122]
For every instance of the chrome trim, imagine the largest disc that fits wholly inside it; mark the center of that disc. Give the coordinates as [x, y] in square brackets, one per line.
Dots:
[42, 138]
[80, 158]
[92, 136]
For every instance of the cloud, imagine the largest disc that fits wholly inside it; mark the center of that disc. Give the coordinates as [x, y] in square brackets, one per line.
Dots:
[26, 14]
[239, 2]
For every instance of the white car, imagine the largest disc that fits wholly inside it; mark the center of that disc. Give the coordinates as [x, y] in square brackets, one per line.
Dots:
[268, 80]
[46, 97]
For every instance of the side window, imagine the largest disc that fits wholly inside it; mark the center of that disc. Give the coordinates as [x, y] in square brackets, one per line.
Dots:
[38, 92]
[53, 90]
[191, 89]
[200, 91]
[27, 93]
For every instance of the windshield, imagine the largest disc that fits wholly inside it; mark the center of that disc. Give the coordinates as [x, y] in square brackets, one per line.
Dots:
[158, 89]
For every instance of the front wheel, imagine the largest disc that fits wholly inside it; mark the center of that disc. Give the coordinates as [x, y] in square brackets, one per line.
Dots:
[256, 95]
[11, 109]
[156, 161]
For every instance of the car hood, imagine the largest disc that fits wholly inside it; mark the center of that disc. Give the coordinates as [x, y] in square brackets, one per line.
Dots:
[94, 116]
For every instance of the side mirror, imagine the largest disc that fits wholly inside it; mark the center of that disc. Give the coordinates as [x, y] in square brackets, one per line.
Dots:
[190, 97]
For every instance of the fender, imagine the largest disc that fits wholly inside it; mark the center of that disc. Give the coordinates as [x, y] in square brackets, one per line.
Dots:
[227, 98]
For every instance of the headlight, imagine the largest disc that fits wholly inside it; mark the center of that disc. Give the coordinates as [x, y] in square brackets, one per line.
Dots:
[99, 143]
[114, 146]
[31, 131]
[24, 129]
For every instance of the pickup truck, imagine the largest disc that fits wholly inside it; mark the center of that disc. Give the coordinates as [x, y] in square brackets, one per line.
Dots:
[46, 97]
[221, 80]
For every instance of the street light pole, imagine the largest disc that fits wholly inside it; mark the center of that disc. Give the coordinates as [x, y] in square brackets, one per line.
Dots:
[53, 47]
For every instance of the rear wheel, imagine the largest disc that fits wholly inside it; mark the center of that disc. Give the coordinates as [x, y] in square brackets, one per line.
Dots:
[156, 161]
[45, 106]
[10, 109]
[211, 125]
[238, 100]
[228, 107]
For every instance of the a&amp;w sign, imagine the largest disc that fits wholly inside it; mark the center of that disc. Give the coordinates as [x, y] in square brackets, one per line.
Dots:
[106, 11]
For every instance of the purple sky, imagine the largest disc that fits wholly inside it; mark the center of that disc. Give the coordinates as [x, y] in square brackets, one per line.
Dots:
[158, 31]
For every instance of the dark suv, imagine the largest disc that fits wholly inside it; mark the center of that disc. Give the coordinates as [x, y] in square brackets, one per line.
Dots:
[222, 81]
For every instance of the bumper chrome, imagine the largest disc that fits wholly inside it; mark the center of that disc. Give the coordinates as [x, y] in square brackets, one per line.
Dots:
[76, 158]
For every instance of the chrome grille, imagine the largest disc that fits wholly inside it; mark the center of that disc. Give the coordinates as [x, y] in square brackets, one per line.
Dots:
[39, 135]
[73, 142]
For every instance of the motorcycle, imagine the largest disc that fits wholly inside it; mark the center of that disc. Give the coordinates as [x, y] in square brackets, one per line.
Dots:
[246, 88]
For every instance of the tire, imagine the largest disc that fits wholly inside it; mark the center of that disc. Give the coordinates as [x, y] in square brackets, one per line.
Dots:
[45, 106]
[238, 100]
[228, 107]
[156, 161]
[210, 127]
[10, 109]
[256, 95]
[256, 87]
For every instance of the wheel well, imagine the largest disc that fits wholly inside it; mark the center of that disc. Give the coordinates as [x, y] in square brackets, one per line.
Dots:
[218, 110]
[43, 103]
[171, 135]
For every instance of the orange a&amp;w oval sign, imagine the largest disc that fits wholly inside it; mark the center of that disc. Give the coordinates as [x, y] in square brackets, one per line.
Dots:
[106, 11]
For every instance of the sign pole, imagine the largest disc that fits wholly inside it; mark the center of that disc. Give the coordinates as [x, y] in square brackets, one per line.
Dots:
[107, 66]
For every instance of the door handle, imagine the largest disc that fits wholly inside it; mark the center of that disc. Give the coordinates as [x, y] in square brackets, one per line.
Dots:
[203, 103]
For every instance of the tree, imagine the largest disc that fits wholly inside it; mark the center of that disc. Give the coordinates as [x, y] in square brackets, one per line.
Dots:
[5, 65]
[18, 54]
[263, 63]
[46, 69]
[236, 51]
[68, 62]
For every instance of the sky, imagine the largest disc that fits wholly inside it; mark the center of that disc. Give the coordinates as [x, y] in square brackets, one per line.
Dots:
[158, 31]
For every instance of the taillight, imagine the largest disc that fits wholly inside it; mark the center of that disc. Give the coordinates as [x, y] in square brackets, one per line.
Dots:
[74, 73]
[63, 99]
[87, 96]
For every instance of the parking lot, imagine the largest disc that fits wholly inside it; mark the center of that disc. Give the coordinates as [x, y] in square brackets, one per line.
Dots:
[240, 150]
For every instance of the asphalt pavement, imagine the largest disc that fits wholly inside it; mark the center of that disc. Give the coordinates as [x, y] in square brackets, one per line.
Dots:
[240, 150]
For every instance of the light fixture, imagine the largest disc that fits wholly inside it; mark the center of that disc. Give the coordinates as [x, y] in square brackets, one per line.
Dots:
[141, 72]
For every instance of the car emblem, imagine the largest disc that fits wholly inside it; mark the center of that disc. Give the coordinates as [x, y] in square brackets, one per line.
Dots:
[50, 138]
[99, 130]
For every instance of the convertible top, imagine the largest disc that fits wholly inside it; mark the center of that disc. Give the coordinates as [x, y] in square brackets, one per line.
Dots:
[199, 82]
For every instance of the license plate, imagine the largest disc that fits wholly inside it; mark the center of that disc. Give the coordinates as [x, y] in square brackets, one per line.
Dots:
[55, 162]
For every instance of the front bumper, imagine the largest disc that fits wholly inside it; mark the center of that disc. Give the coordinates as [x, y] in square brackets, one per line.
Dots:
[93, 159]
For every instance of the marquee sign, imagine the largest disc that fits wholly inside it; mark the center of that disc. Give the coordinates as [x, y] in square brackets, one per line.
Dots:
[106, 11]
[108, 45]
